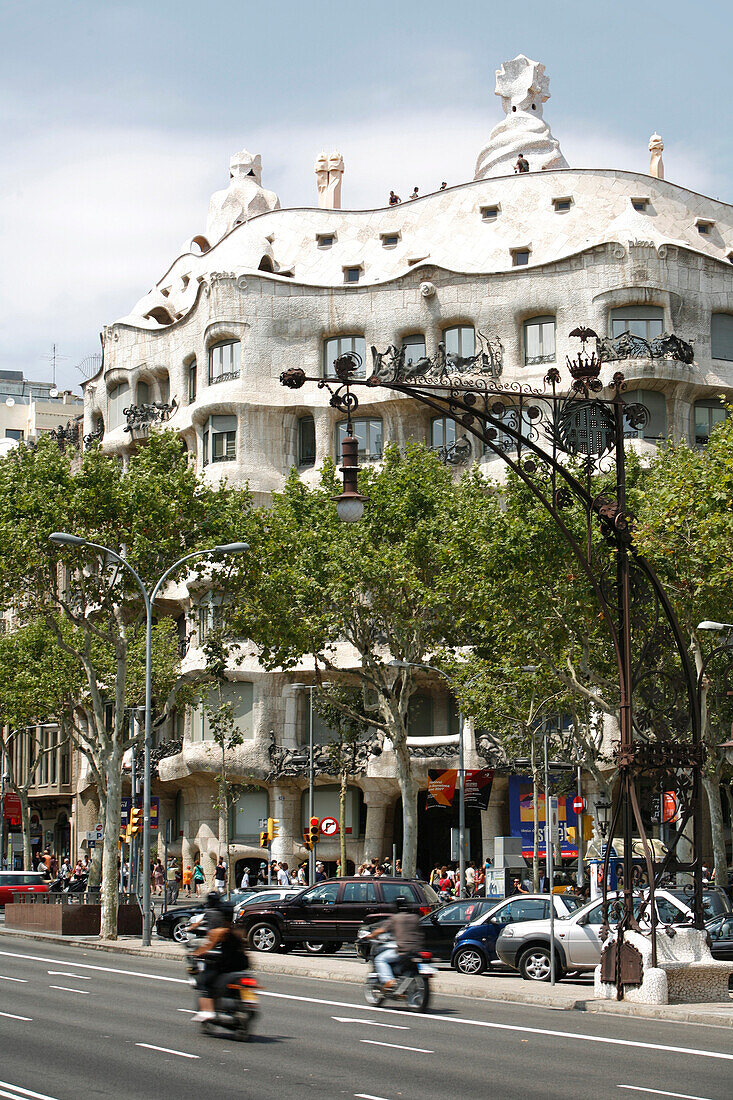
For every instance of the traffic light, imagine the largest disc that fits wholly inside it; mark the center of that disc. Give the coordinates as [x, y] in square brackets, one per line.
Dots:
[314, 833]
[273, 827]
[136, 820]
[264, 839]
[307, 840]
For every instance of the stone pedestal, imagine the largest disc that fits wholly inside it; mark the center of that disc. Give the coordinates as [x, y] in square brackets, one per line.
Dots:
[686, 972]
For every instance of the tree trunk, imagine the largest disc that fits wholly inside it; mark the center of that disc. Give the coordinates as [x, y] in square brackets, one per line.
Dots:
[408, 789]
[25, 824]
[343, 790]
[715, 804]
[112, 802]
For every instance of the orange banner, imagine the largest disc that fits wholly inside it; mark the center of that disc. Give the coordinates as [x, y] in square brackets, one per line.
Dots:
[441, 788]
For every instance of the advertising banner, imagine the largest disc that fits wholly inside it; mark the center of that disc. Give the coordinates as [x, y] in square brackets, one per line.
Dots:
[521, 818]
[478, 788]
[441, 788]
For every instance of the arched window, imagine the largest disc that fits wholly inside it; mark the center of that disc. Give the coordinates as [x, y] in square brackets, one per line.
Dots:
[224, 361]
[201, 243]
[709, 413]
[165, 390]
[368, 431]
[119, 399]
[336, 346]
[656, 428]
[539, 340]
[414, 346]
[721, 335]
[220, 439]
[306, 441]
[142, 394]
[644, 321]
[460, 340]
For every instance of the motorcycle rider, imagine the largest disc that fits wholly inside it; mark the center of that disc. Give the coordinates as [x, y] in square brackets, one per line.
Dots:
[223, 952]
[404, 928]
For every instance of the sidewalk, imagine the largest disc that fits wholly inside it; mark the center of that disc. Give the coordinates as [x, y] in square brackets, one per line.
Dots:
[566, 995]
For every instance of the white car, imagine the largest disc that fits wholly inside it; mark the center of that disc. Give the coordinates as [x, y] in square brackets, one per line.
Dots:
[525, 946]
[269, 893]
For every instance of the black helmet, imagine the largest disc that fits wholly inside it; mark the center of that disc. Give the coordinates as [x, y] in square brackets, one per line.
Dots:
[227, 911]
[213, 900]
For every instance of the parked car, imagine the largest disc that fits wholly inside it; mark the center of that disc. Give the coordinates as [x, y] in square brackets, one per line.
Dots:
[720, 930]
[715, 901]
[441, 926]
[21, 882]
[325, 916]
[526, 946]
[267, 893]
[171, 924]
[474, 947]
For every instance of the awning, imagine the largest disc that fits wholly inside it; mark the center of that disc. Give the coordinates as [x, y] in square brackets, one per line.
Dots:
[596, 849]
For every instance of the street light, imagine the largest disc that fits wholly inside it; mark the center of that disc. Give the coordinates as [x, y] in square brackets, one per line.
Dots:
[603, 810]
[350, 503]
[461, 772]
[311, 778]
[62, 538]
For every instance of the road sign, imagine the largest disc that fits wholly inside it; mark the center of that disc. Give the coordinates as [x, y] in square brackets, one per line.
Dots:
[11, 805]
[578, 804]
[329, 826]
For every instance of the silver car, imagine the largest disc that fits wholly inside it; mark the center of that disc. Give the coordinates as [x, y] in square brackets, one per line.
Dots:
[525, 946]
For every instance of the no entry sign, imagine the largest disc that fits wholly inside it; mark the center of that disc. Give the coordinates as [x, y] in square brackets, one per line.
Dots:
[329, 826]
[578, 804]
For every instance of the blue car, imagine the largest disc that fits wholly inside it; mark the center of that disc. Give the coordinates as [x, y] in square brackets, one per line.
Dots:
[474, 947]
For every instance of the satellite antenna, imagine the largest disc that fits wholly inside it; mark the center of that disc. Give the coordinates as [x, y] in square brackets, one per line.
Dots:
[89, 366]
[53, 392]
[10, 401]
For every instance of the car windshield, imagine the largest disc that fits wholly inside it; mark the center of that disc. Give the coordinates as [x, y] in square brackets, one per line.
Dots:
[572, 903]
[430, 896]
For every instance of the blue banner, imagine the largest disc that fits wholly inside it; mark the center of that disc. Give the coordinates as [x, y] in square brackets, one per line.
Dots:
[521, 817]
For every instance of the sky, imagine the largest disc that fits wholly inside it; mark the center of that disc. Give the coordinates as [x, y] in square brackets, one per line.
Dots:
[117, 121]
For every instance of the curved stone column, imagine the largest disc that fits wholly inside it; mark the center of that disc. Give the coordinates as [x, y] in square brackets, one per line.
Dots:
[376, 843]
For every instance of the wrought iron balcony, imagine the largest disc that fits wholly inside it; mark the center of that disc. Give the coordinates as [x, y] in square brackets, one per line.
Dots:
[629, 346]
[141, 417]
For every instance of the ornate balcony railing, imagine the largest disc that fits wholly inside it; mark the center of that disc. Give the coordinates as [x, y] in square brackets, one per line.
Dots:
[457, 453]
[629, 346]
[141, 417]
[227, 377]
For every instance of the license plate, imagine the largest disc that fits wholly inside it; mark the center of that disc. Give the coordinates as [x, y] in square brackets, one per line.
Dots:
[423, 969]
[248, 995]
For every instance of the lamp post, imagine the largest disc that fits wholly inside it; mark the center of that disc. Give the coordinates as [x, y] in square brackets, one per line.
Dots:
[311, 778]
[61, 538]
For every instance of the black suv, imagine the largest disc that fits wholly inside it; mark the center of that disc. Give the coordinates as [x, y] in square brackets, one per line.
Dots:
[329, 914]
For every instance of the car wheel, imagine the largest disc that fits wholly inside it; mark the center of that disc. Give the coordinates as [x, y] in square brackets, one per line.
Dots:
[469, 960]
[534, 965]
[314, 948]
[178, 931]
[264, 937]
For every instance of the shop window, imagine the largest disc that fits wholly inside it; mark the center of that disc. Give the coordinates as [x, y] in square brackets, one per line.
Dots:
[326, 804]
[336, 346]
[249, 809]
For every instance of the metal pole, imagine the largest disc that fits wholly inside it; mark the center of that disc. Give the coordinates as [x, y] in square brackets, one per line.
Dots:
[311, 791]
[2, 806]
[580, 877]
[146, 770]
[394, 859]
[132, 867]
[461, 812]
[549, 863]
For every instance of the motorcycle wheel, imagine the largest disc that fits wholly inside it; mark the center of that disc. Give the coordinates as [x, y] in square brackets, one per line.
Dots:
[242, 1031]
[373, 994]
[418, 994]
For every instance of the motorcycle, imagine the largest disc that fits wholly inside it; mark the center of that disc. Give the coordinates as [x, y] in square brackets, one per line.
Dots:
[236, 1002]
[412, 974]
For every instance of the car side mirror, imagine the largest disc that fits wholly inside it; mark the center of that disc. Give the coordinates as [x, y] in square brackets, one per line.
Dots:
[582, 920]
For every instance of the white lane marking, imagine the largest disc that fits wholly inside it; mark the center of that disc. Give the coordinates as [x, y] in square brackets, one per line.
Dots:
[4, 978]
[659, 1092]
[188, 1011]
[67, 989]
[27, 1092]
[167, 1050]
[396, 1046]
[368, 1096]
[371, 1023]
[12, 1016]
[68, 974]
[602, 1039]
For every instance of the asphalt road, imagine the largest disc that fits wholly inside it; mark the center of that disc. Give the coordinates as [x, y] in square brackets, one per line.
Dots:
[87, 1023]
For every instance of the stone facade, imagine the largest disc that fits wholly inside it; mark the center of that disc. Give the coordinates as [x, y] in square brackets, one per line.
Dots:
[559, 247]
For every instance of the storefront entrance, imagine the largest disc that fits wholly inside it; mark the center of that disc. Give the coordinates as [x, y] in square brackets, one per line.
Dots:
[434, 833]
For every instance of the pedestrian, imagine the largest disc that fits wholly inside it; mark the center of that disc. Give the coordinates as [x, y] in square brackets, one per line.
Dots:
[198, 876]
[414, 194]
[394, 200]
[522, 164]
[244, 884]
[517, 887]
[443, 185]
[187, 877]
[470, 879]
[398, 862]
[283, 878]
[158, 876]
[172, 879]
[220, 876]
[303, 874]
[320, 873]
[434, 875]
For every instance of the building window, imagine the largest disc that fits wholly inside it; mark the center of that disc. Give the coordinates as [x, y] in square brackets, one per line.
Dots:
[644, 321]
[306, 441]
[65, 765]
[142, 394]
[510, 417]
[489, 213]
[420, 715]
[339, 345]
[368, 431]
[192, 379]
[224, 361]
[414, 346]
[656, 428]
[520, 257]
[460, 340]
[562, 205]
[390, 240]
[326, 804]
[239, 696]
[118, 399]
[721, 336]
[249, 809]
[539, 340]
[220, 439]
[352, 274]
[165, 390]
[443, 439]
[708, 415]
[703, 226]
[642, 205]
[325, 240]
[15, 433]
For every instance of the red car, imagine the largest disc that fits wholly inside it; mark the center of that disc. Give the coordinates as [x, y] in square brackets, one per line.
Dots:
[20, 882]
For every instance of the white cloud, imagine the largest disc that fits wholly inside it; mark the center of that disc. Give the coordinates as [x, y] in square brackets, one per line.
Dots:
[92, 218]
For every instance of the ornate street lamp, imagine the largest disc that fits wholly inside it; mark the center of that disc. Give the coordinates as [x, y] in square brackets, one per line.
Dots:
[603, 810]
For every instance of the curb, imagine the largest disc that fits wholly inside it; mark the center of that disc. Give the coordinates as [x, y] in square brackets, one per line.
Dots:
[279, 965]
